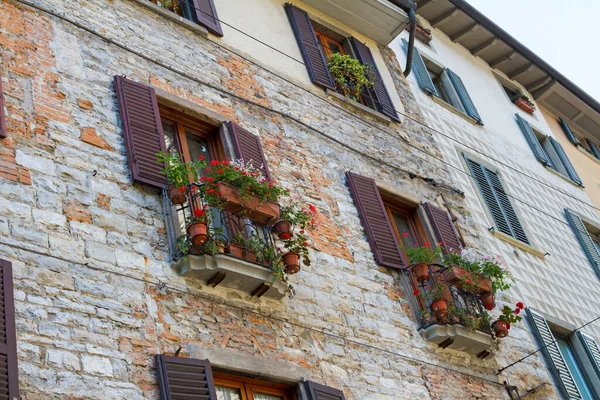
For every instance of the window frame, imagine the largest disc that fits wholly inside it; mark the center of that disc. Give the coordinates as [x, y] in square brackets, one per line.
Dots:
[248, 386]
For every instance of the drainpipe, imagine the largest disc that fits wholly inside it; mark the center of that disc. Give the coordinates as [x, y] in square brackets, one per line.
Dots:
[409, 6]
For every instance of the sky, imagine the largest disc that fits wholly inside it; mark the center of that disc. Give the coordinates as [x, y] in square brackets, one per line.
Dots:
[566, 37]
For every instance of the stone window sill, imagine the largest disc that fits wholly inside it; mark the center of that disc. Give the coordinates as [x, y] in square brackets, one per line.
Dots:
[362, 107]
[587, 153]
[453, 109]
[457, 337]
[566, 178]
[231, 272]
[517, 243]
[192, 26]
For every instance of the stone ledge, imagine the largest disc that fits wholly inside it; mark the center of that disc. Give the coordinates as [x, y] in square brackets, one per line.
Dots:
[517, 243]
[231, 272]
[588, 154]
[462, 339]
[453, 109]
[564, 177]
[362, 107]
[192, 26]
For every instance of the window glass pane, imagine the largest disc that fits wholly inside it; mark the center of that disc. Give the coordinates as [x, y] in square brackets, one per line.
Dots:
[169, 131]
[403, 227]
[198, 146]
[224, 393]
[260, 396]
[567, 353]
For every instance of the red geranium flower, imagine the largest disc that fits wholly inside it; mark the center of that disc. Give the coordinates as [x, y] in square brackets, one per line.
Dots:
[489, 307]
[214, 163]
[285, 236]
[517, 310]
[219, 171]
[304, 243]
[201, 157]
[469, 281]
[520, 305]
[405, 234]
[312, 208]
[181, 189]
[198, 213]
[416, 292]
[302, 231]
[427, 244]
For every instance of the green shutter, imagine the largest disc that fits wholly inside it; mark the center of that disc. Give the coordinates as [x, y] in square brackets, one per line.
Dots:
[595, 150]
[568, 132]
[420, 70]
[464, 96]
[554, 358]
[565, 161]
[533, 141]
[592, 349]
[584, 239]
[497, 201]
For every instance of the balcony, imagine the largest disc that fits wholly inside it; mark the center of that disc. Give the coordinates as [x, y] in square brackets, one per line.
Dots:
[379, 20]
[232, 255]
[463, 326]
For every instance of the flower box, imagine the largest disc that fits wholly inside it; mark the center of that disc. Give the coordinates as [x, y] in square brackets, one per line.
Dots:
[467, 281]
[266, 212]
[524, 105]
[422, 34]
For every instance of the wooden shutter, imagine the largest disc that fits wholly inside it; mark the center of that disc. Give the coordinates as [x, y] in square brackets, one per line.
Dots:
[499, 205]
[584, 238]
[322, 392]
[9, 378]
[248, 147]
[568, 132]
[464, 96]
[184, 378]
[2, 116]
[592, 349]
[533, 141]
[143, 132]
[451, 92]
[376, 221]
[443, 226]
[553, 356]
[364, 55]
[206, 14]
[420, 71]
[565, 161]
[313, 56]
[595, 150]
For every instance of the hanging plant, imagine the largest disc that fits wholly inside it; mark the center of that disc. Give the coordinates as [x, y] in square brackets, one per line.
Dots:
[349, 74]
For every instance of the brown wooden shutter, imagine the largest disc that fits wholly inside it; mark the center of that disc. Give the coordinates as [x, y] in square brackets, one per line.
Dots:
[381, 94]
[376, 221]
[185, 378]
[248, 147]
[313, 56]
[444, 228]
[9, 378]
[2, 117]
[322, 392]
[206, 14]
[144, 137]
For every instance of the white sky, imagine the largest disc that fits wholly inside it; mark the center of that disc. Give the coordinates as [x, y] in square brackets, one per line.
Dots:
[566, 37]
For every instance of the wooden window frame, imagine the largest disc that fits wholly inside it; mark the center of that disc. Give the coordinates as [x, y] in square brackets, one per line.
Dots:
[247, 386]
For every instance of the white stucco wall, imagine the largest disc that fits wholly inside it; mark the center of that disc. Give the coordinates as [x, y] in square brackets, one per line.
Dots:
[266, 20]
[562, 284]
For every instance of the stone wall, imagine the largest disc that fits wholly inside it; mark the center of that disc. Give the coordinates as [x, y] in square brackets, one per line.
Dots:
[95, 295]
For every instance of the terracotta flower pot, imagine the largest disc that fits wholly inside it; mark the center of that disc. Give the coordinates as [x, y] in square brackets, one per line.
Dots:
[283, 229]
[266, 212]
[235, 250]
[487, 299]
[291, 262]
[501, 328]
[466, 280]
[421, 271]
[524, 105]
[440, 308]
[251, 256]
[176, 196]
[198, 232]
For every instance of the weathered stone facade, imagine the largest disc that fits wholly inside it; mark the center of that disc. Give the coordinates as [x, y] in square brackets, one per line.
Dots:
[95, 296]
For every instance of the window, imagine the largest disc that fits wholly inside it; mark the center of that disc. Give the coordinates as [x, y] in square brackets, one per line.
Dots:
[406, 223]
[588, 236]
[497, 200]
[202, 12]
[317, 42]
[443, 83]
[231, 387]
[548, 151]
[568, 354]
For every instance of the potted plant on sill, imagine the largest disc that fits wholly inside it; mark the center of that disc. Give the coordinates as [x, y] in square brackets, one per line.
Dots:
[349, 75]
[421, 257]
[297, 249]
[435, 297]
[197, 229]
[508, 316]
[422, 34]
[242, 189]
[178, 175]
[303, 217]
[468, 320]
[524, 103]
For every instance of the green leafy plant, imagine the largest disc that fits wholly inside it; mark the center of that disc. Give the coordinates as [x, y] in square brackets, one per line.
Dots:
[422, 254]
[304, 217]
[182, 245]
[511, 316]
[177, 172]
[433, 293]
[298, 244]
[349, 74]
[469, 320]
[247, 179]
[478, 263]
